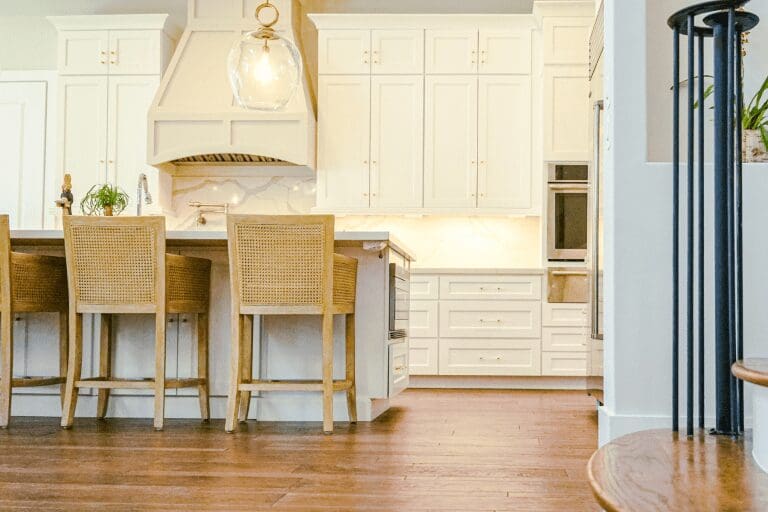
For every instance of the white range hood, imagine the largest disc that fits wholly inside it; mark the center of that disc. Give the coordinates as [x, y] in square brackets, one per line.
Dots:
[194, 119]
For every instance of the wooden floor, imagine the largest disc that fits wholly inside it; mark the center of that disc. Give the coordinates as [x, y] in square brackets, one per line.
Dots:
[458, 450]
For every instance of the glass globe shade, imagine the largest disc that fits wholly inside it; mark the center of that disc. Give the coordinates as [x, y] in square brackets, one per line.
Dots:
[264, 70]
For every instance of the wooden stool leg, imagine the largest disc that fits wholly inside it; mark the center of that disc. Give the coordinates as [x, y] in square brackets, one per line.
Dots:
[105, 363]
[202, 365]
[327, 373]
[247, 371]
[74, 367]
[350, 365]
[63, 351]
[235, 372]
[6, 366]
[160, 369]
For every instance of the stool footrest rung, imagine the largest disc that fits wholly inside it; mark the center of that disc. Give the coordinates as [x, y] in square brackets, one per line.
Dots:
[29, 382]
[292, 385]
[103, 383]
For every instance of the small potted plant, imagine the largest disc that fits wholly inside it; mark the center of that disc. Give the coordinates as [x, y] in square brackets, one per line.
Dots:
[105, 200]
[754, 123]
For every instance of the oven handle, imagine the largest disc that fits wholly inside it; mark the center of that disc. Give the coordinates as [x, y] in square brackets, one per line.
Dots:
[598, 107]
[564, 186]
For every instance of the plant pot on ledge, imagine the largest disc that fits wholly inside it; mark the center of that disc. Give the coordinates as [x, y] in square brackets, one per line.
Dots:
[753, 147]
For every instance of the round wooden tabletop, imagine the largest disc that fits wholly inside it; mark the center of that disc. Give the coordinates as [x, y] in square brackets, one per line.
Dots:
[660, 470]
[753, 369]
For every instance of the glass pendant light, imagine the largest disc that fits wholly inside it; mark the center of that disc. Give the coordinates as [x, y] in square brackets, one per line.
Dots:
[264, 67]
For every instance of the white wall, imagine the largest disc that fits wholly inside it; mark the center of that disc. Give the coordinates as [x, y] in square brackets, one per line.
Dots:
[638, 211]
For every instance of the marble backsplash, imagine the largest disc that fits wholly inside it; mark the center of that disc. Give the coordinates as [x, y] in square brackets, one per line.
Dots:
[437, 241]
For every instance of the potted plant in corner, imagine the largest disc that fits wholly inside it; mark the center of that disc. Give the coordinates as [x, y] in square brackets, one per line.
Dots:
[754, 123]
[105, 200]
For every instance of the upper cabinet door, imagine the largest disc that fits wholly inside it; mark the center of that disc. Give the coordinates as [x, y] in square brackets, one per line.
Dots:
[343, 141]
[504, 134]
[134, 52]
[567, 114]
[450, 142]
[451, 51]
[344, 52]
[83, 130]
[397, 141]
[505, 51]
[84, 52]
[397, 52]
[129, 100]
[566, 40]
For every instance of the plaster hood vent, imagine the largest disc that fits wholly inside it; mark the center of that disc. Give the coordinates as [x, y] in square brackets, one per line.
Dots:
[194, 118]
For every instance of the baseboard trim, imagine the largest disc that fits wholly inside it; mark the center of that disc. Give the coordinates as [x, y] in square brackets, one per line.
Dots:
[496, 382]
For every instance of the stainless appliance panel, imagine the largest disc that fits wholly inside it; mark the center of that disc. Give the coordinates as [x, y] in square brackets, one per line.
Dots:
[567, 221]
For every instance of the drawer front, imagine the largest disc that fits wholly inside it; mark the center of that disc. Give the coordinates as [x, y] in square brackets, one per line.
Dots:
[565, 315]
[423, 356]
[490, 319]
[566, 364]
[424, 287]
[398, 368]
[564, 339]
[423, 319]
[490, 287]
[489, 357]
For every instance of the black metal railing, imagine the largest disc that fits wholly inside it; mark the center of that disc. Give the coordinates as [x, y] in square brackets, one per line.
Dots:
[724, 24]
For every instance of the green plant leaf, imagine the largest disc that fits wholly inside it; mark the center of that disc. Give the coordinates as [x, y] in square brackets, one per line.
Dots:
[99, 197]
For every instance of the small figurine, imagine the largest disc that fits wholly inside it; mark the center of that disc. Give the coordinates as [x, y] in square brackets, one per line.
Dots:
[66, 199]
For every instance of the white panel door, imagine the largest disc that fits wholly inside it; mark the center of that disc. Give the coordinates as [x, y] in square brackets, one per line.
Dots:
[451, 51]
[567, 114]
[397, 141]
[344, 52]
[450, 142]
[84, 52]
[343, 141]
[83, 131]
[22, 152]
[129, 101]
[134, 52]
[422, 317]
[504, 136]
[566, 40]
[423, 356]
[397, 51]
[505, 51]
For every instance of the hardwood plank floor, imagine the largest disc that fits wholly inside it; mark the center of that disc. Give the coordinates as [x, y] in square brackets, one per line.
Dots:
[447, 450]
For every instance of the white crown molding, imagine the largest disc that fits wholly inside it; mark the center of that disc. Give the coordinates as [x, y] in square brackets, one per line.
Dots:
[116, 22]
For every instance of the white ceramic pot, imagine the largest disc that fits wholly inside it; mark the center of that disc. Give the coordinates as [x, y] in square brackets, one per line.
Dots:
[753, 147]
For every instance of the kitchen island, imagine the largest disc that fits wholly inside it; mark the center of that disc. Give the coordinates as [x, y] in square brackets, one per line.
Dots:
[286, 347]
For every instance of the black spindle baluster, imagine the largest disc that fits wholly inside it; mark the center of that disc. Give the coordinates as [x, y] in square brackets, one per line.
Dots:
[689, 230]
[739, 254]
[675, 228]
[700, 147]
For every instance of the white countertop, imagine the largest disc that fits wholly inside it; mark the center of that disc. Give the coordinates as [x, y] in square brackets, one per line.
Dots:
[21, 237]
[487, 271]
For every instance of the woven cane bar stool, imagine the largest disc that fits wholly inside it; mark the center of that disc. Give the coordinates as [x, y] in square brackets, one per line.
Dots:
[29, 283]
[285, 265]
[119, 266]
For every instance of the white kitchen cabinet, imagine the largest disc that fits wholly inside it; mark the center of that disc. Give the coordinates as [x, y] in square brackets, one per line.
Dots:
[490, 357]
[397, 52]
[398, 368]
[83, 52]
[423, 319]
[564, 339]
[129, 99]
[490, 319]
[23, 110]
[344, 51]
[344, 136]
[505, 52]
[110, 68]
[397, 157]
[566, 113]
[564, 364]
[423, 356]
[450, 142]
[83, 132]
[451, 51]
[504, 137]
[566, 40]
[564, 315]
[490, 287]
[424, 287]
